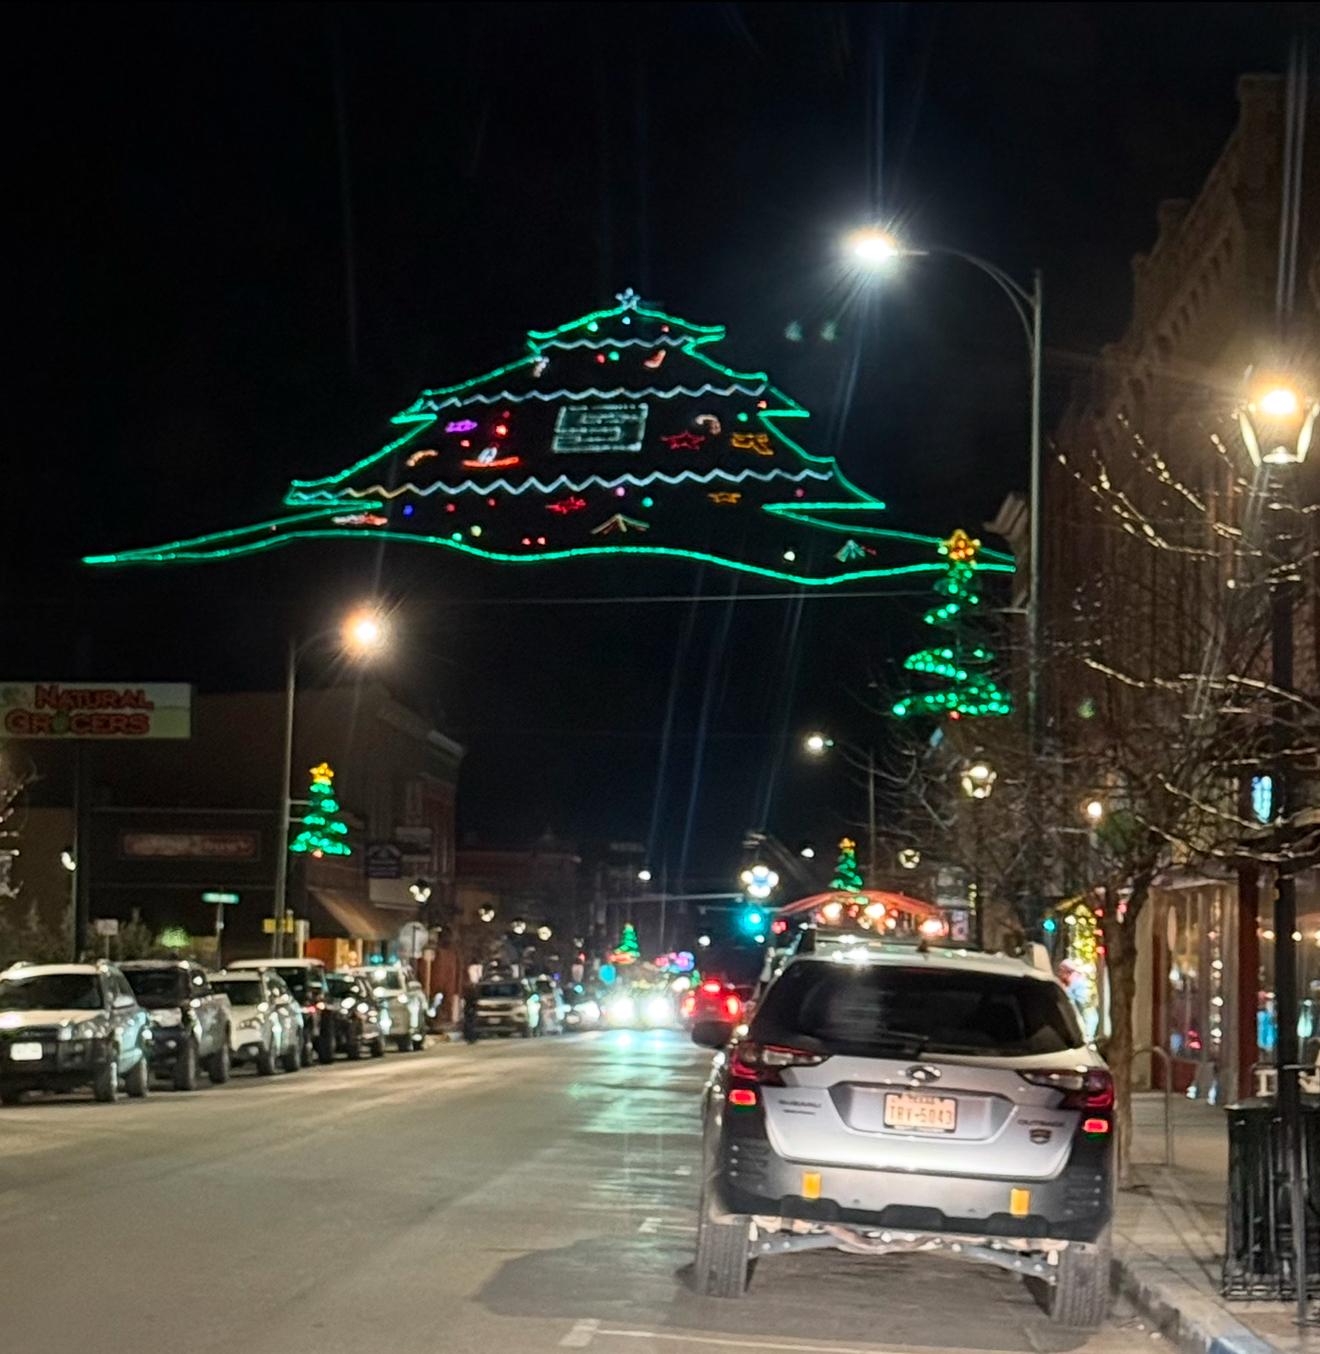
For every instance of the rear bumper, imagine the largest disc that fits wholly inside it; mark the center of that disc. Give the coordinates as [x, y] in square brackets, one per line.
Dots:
[1074, 1206]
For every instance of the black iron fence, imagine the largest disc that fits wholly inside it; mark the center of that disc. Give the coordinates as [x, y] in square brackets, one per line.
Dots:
[1258, 1254]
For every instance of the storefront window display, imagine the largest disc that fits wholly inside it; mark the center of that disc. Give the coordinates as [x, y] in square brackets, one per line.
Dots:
[1080, 968]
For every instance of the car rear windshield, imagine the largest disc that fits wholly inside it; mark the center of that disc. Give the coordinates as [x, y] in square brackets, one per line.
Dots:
[298, 980]
[389, 978]
[51, 992]
[157, 987]
[879, 1010]
[240, 991]
[499, 990]
[340, 986]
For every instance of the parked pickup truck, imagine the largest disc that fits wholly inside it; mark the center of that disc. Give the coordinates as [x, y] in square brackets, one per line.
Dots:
[189, 1021]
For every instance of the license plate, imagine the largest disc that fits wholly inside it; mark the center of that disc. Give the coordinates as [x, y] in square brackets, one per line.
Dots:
[25, 1053]
[932, 1113]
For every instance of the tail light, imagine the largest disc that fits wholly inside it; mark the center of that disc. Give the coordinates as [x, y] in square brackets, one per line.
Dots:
[1089, 1088]
[711, 987]
[733, 1006]
[687, 1006]
[766, 1062]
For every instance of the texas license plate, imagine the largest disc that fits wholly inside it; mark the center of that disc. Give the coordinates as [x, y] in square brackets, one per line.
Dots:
[25, 1053]
[931, 1113]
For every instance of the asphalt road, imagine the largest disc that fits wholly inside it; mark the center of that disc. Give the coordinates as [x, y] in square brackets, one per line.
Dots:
[516, 1196]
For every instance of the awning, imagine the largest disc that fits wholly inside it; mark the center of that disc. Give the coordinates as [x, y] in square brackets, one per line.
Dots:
[899, 902]
[358, 919]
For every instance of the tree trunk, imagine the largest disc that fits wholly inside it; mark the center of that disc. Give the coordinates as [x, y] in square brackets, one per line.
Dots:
[1121, 966]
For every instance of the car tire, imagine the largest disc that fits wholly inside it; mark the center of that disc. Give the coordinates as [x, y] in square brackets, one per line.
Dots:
[266, 1061]
[1079, 1297]
[11, 1097]
[137, 1082]
[184, 1076]
[404, 1043]
[722, 1262]
[378, 1048]
[105, 1086]
[219, 1063]
[291, 1058]
[354, 1046]
[325, 1045]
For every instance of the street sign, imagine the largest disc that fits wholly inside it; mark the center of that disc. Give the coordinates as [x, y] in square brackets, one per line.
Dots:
[268, 924]
[384, 861]
[220, 899]
[412, 939]
[106, 926]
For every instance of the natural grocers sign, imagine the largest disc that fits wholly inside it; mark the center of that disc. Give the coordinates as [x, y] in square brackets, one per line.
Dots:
[77, 710]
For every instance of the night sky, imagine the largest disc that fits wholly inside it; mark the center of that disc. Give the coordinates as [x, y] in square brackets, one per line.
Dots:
[181, 343]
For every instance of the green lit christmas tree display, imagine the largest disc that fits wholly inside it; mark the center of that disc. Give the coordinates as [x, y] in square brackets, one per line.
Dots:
[615, 435]
[847, 877]
[628, 951]
[960, 665]
[323, 831]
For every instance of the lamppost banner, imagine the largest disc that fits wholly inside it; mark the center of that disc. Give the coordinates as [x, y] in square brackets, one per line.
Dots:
[95, 710]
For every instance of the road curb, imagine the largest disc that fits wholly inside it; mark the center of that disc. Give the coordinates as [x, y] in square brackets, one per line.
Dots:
[1186, 1317]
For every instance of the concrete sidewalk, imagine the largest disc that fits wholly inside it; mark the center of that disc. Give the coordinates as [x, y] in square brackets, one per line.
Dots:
[1169, 1238]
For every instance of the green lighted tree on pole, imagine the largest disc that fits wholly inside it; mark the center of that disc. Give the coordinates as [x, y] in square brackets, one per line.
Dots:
[323, 831]
[846, 874]
[628, 950]
[960, 665]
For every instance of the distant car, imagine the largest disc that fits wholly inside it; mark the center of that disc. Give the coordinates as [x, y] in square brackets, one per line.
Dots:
[63, 1026]
[714, 1001]
[506, 1006]
[354, 1014]
[402, 1003]
[266, 1027]
[306, 980]
[190, 1022]
[583, 1009]
[888, 1097]
[552, 1005]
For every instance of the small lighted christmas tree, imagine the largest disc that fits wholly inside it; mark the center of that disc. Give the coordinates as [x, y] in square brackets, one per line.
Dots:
[323, 832]
[846, 874]
[628, 950]
[960, 664]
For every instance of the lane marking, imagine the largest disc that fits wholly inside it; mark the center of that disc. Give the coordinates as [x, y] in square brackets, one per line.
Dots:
[650, 1226]
[580, 1336]
[734, 1343]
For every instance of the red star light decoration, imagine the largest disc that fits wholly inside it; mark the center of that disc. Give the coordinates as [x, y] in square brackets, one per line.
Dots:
[684, 441]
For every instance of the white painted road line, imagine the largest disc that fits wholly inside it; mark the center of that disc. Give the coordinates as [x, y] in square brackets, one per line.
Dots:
[724, 1342]
[580, 1336]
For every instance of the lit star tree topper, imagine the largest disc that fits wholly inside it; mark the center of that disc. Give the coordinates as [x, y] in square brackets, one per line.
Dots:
[628, 950]
[323, 831]
[846, 874]
[959, 665]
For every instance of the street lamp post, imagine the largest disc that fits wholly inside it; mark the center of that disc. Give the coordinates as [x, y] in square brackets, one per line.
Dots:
[978, 782]
[362, 634]
[874, 247]
[817, 745]
[1277, 423]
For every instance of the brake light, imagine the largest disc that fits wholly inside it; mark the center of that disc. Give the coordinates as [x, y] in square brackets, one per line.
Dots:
[687, 1005]
[733, 1006]
[1084, 1088]
[1097, 1126]
[712, 987]
[765, 1062]
[741, 1098]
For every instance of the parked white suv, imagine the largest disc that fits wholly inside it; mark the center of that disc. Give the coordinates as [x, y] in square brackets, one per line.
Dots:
[401, 1001]
[890, 1098]
[266, 1028]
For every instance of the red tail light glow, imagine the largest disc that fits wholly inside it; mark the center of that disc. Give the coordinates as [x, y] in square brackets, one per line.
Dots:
[765, 1062]
[711, 986]
[1095, 1126]
[741, 1098]
[1089, 1088]
[733, 1006]
[687, 1005]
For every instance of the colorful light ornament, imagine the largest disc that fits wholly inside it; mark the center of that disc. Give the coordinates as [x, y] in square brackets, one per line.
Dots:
[323, 831]
[584, 434]
[960, 666]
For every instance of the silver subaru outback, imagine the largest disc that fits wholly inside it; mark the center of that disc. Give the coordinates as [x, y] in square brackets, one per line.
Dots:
[889, 1098]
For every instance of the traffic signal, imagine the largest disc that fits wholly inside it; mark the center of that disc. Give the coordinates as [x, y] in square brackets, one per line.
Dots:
[752, 920]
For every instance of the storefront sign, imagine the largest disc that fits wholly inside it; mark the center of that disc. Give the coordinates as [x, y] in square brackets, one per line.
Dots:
[384, 861]
[190, 845]
[86, 710]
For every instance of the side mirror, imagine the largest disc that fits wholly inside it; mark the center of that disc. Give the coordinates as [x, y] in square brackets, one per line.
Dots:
[712, 1033]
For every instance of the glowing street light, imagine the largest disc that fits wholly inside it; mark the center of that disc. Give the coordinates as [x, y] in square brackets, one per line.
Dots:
[486, 913]
[808, 853]
[703, 942]
[1277, 421]
[978, 779]
[817, 744]
[365, 632]
[518, 926]
[543, 933]
[760, 881]
[68, 861]
[872, 247]
[1094, 810]
[644, 876]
